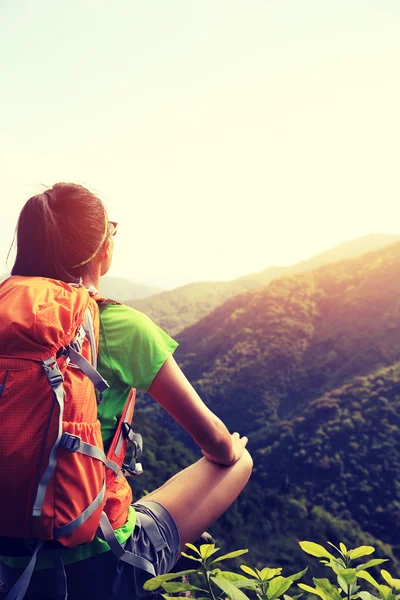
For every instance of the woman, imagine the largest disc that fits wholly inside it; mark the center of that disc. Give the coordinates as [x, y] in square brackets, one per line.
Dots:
[65, 234]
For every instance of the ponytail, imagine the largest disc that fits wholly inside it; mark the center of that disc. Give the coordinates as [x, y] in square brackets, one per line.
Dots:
[59, 232]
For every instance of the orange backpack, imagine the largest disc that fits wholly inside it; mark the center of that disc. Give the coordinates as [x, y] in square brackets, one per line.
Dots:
[53, 469]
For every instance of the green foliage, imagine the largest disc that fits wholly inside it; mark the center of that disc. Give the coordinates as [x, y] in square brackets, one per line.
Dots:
[347, 575]
[345, 583]
[267, 584]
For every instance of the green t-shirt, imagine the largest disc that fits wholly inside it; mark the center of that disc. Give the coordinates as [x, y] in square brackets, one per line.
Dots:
[132, 349]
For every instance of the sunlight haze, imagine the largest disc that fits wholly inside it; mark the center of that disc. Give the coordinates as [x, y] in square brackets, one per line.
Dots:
[224, 136]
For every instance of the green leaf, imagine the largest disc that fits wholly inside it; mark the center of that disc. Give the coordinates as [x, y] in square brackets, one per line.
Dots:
[361, 551]
[316, 550]
[277, 587]
[168, 597]
[230, 576]
[298, 575]
[367, 596]
[311, 590]
[191, 557]
[156, 582]
[348, 575]
[249, 584]
[268, 573]
[178, 586]
[207, 550]
[385, 592]
[337, 565]
[371, 563]
[233, 554]
[343, 548]
[387, 577]
[327, 588]
[249, 571]
[229, 589]
[193, 547]
[396, 584]
[343, 584]
[365, 575]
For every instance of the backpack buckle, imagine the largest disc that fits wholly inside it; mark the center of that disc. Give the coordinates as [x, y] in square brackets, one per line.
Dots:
[134, 467]
[133, 438]
[53, 373]
[70, 442]
[77, 342]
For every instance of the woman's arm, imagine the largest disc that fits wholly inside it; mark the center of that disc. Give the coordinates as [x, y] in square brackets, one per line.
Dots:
[173, 392]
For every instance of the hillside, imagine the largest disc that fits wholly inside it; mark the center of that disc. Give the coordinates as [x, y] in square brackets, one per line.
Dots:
[124, 289]
[261, 354]
[309, 368]
[177, 309]
[342, 451]
[258, 516]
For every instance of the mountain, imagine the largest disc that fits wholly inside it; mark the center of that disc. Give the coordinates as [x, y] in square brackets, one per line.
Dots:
[342, 451]
[309, 368]
[260, 514]
[124, 289]
[177, 309]
[270, 350]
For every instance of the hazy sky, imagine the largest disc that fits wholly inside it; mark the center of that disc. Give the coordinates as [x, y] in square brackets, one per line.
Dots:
[225, 135]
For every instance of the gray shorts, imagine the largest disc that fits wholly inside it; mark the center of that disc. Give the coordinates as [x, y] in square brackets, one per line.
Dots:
[103, 577]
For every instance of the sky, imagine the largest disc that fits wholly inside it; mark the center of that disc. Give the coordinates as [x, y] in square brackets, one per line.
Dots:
[224, 135]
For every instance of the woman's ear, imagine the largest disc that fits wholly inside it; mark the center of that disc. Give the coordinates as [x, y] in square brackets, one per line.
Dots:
[106, 254]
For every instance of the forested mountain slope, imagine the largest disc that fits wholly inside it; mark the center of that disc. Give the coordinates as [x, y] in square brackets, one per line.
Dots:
[309, 368]
[342, 452]
[262, 354]
[177, 309]
[267, 521]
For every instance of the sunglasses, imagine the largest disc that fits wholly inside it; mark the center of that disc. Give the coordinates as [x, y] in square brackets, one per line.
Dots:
[113, 228]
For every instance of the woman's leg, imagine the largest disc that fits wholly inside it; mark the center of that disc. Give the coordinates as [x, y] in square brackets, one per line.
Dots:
[198, 495]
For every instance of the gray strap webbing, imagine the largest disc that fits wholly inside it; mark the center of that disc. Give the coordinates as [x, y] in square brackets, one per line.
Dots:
[55, 379]
[20, 587]
[119, 551]
[89, 330]
[75, 444]
[72, 525]
[61, 578]
[85, 366]
[113, 466]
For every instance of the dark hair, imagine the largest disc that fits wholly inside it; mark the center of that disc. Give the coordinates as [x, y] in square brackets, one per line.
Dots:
[57, 231]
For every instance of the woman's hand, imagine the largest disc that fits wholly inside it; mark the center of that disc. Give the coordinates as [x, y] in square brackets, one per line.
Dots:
[238, 446]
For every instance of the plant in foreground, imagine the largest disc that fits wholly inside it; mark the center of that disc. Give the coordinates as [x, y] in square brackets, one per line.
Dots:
[348, 576]
[217, 584]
